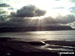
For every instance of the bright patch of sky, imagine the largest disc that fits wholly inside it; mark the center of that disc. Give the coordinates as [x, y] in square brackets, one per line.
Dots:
[53, 7]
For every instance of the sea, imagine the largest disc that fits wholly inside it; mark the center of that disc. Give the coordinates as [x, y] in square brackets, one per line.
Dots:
[66, 35]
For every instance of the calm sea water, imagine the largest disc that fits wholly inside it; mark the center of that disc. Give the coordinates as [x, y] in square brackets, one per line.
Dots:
[68, 35]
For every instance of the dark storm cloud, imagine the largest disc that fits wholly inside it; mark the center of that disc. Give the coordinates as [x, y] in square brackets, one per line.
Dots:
[1, 18]
[23, 15]
[60, 19]
[21, 21]
[4, 5]
[16, 21]
[66, 19]
[29, 11]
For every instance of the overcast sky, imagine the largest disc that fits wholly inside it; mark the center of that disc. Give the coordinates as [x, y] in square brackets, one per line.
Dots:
[36, 12]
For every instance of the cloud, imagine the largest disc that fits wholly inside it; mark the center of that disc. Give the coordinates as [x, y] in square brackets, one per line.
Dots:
[2, 12]
[4, 5]
[26, 21]
[66, 19]
[23, 15]
[72, 9]
[60, 19]
[57, 0]
[73, 1]
[72, 24]
[60, 7]
[1, 19]
[3, 15]
[15, 21]
[29, 11]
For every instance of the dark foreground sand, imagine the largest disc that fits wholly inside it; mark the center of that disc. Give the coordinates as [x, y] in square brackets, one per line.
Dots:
[36, 48]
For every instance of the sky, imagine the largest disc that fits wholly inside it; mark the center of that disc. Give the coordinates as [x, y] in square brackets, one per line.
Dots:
[36, 12]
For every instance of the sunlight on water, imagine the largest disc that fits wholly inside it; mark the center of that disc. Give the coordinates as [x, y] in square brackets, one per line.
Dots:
[41, 35]
[39, 32]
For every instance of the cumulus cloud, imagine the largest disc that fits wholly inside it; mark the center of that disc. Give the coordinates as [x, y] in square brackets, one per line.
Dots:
[4, 5]
[21, 17]
[29, 11]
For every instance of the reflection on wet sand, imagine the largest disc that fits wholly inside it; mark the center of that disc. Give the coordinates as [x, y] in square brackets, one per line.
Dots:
[48, 45]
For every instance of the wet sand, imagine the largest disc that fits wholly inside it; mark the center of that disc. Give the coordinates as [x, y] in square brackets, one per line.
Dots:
[27, 48]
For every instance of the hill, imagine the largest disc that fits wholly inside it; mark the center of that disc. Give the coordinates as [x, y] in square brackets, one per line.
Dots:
[34, 28]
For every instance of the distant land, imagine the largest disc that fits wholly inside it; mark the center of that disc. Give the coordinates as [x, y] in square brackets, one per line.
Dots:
[34, 28]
